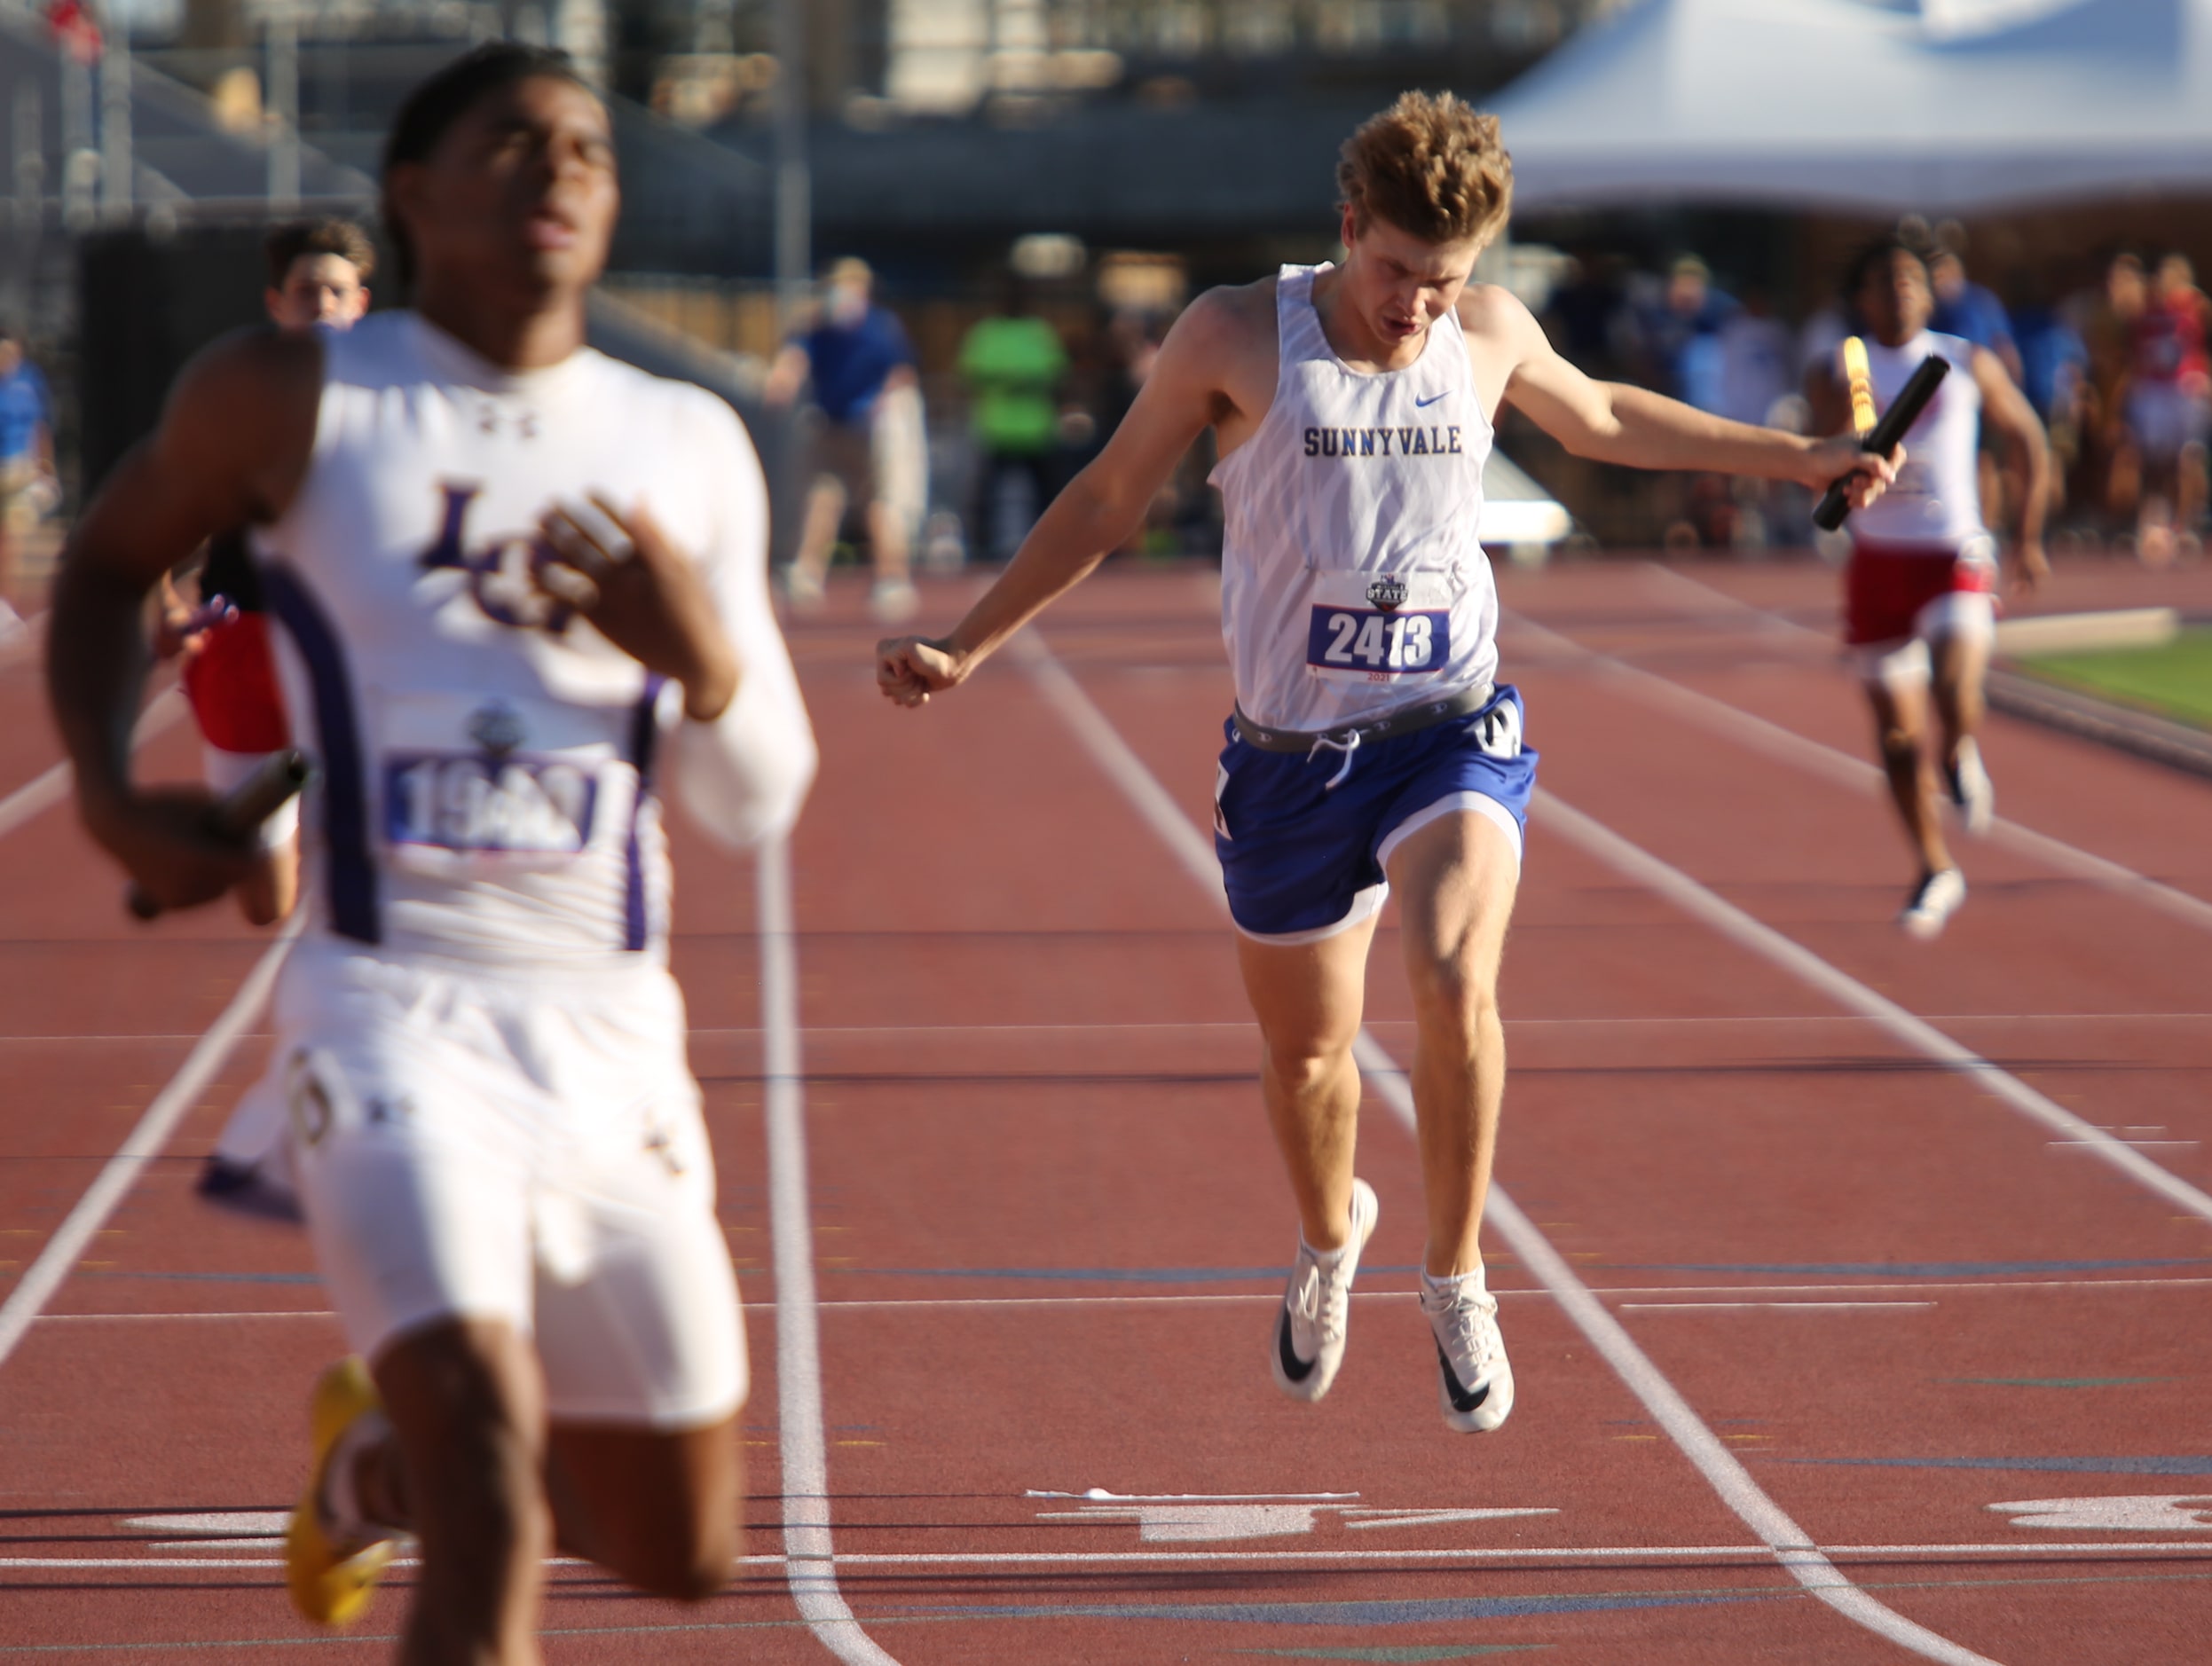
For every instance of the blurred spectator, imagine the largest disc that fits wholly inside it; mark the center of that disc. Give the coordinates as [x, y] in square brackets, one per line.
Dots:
[2054, 366]
[2105, 314]
[1755, 350]
[27, 487]
[2168, 406]
[1679, 337]
[1969, 310]
[1585, 318]
[1819, 337]
[1013, 365]
[869, 403]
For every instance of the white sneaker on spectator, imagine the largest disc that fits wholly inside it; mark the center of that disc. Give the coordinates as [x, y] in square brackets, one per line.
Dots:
[1933, 902]
[804, 589]
[895, 600]
[1473, 1380]
[1310, 1325]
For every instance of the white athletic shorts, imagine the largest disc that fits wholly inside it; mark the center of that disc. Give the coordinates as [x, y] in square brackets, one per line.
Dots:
[520, 1146]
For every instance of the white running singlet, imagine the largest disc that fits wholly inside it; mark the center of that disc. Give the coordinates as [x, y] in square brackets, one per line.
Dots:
[1936, 501]
[486, 758]
[1352, 584]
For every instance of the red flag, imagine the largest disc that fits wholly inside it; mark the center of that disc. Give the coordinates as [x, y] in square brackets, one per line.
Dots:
[75, 30]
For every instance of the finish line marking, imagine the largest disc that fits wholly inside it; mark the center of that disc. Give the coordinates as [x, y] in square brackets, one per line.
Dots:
[1653, 1555]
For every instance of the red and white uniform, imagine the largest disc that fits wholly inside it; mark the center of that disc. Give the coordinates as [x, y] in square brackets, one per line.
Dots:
[1922, 565]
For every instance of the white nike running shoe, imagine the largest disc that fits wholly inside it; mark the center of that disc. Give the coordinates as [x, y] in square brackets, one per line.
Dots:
[1933, 902]
[1972, 789]
[1475, 1382]
[1310, 1329]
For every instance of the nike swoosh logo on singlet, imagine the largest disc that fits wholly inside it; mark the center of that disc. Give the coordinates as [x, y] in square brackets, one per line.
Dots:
[1422, 405]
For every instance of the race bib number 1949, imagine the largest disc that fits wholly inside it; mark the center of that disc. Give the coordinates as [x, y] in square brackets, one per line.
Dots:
[469, 801]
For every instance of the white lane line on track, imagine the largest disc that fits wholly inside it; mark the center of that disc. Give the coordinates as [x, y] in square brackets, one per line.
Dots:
[811, 1563]
[43, 792]
[1760, 1306]
[1611, 1293]
[1742, 928]
[108, 1188]
[1656, 1555]
[1790, 1543]
[1791, 747]
[1248, 1029]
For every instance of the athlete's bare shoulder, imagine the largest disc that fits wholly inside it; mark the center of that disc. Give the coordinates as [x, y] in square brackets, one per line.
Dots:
[1501, 336]
[1229, 322]
[1491, 313]
[1221, 353]
[243, 414]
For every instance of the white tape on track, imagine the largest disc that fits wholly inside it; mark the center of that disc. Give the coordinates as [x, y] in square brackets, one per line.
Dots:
[1790, 1543]
[810, 1562]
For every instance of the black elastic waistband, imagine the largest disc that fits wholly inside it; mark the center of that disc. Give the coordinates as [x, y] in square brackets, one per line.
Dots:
[1390, 727]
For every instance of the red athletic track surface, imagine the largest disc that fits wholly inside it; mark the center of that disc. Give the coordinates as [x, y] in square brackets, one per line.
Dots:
[1050, 1226]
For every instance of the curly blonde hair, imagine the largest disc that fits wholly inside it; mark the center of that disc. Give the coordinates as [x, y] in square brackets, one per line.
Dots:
[1432, 165]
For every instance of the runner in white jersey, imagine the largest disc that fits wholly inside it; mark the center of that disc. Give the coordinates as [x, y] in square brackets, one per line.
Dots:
[1919, 604]
[518, 583]
[1372, 746]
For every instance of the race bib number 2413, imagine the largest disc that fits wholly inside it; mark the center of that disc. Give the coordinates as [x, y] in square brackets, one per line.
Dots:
[1382, 645]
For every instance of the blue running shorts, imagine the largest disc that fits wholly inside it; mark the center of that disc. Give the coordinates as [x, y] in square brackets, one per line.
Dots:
[1303, 860]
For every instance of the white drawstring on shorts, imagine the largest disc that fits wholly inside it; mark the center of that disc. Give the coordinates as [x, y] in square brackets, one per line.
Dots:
[1347, 746]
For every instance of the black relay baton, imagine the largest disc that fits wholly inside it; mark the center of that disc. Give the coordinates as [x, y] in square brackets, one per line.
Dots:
[1904, 410]
[260, 796]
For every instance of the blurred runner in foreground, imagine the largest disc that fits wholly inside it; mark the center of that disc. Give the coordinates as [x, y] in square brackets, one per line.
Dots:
[516, 578]
[1371, 746]
[1919, 607]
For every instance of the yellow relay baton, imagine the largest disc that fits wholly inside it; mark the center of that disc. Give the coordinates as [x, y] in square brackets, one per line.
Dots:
[1862, 380]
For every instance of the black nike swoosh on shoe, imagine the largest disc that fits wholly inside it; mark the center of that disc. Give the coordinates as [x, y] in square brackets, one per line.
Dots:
[1297, 1370]
[1462, 1400]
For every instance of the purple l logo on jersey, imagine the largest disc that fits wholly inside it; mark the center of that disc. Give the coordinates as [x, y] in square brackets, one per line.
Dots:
[500, 571]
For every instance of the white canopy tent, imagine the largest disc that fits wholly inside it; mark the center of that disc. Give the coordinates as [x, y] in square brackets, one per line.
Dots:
[1885, 106]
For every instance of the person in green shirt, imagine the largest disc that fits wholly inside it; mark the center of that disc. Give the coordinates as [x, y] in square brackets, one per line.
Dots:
[1013, 365]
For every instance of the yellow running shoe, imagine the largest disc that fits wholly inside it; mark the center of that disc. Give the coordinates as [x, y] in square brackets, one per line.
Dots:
[332, 1581]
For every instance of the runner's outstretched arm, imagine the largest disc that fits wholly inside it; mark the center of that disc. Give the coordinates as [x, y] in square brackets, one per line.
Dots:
[1612, 422]
[232, 447]
[1095, 513]
[2005, 408]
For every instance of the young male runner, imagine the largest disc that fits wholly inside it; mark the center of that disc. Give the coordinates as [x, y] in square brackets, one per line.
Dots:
[318, 272]
[1918, 602]
[1371, 747]
[516, 580]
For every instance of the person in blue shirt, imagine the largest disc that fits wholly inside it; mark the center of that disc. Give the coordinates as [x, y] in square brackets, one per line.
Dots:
[1971, 310]
[28, 487]
[869, 451]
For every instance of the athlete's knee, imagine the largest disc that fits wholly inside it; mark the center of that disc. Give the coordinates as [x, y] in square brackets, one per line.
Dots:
[1452, 996]
[1901, 746]
[1306, 1063]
